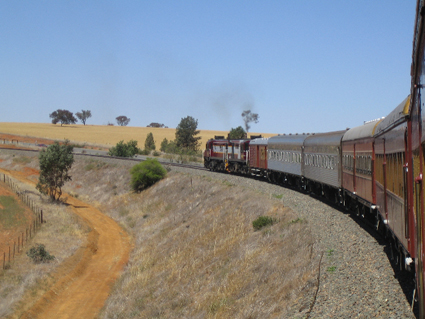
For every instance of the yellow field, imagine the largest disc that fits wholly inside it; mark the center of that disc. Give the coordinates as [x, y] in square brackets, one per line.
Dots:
[101, 135]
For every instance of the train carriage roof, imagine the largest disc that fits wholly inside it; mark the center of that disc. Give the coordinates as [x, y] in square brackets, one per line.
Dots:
[293, 140]
[359, 132]
[324, 139]
[397, 116]
[260, 141]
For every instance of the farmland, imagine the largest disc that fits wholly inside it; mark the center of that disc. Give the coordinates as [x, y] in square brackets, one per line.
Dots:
[101, 135]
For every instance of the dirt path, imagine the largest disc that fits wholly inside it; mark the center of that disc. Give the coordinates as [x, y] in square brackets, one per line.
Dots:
[83, 283]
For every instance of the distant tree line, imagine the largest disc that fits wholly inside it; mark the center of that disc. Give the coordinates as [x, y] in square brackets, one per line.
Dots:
[67, 117]
[185, 143]
[153, 124]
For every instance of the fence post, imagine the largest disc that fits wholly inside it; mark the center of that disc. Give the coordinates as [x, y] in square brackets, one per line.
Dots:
[42, 216]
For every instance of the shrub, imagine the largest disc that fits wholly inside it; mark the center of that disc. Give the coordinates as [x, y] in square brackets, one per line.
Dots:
[261, 222]
[146, 173]
[39, 254]
[144, 152]
[122, 149]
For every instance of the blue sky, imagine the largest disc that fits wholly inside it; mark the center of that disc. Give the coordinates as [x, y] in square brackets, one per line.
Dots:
[303, 66]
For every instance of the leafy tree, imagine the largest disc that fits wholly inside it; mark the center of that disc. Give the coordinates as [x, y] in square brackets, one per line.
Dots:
[186, 134]
[146, 173]
[249, 117]
[122, 149]
[164, 144]
[55, 162]
[237, 133]
[122, 120]
[63, 116]
[150, 143]
[83, 115]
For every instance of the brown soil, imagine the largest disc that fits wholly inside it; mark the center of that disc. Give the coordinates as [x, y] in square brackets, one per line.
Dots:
[25, 139]
[83, 282]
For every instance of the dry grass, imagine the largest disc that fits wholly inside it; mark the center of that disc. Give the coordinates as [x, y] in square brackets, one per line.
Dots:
[62, 235]
[101, 135]
[196, 254]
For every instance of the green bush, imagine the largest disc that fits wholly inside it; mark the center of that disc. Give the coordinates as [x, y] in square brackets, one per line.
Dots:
[261, 222]
[146, 173]
[144, 152]
[39, 254]
[122, 149]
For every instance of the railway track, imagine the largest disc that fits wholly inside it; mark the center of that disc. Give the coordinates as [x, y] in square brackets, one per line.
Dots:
[139, 158]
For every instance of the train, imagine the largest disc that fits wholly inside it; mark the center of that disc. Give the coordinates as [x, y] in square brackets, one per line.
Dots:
[375, 170]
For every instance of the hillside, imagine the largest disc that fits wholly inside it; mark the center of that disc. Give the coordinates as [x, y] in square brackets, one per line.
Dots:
[195, 252]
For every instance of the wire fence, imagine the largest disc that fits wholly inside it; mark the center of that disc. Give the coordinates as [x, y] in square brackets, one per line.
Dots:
[30, 230]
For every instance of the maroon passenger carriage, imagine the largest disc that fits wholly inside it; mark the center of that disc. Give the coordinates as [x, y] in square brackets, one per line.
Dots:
[358, 168]
[258, 156]
[392, 182]
[416, 147]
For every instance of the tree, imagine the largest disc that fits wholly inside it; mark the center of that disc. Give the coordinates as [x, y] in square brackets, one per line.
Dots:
[122, 149]
[237, 133]
[122, 120]
[83, 115]
[55, 162]
[63, 116]
[249, 117]
[186, 134]
[146, 173]
[150, 143]
[156, 125]
[164, 145]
